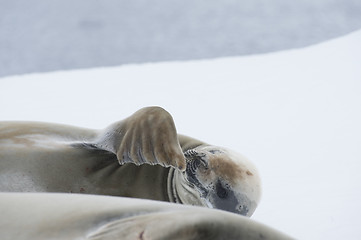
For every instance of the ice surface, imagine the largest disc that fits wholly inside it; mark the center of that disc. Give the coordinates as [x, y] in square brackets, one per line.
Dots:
[295, 114]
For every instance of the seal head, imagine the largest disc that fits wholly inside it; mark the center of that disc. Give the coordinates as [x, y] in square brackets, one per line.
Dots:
[218, 178]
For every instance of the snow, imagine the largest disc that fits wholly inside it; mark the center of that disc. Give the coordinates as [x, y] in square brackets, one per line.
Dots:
[295, 114]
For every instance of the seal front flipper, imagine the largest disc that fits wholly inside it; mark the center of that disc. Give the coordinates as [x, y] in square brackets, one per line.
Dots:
[148, 136]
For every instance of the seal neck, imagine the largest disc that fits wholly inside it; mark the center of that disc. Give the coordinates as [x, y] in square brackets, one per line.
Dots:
[171, 188]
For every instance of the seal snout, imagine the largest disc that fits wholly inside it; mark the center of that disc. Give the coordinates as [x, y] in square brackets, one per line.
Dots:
[225, 198]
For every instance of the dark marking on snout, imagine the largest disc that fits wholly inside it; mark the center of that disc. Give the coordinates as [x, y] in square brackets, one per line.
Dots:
[221, 191]
[225, 199]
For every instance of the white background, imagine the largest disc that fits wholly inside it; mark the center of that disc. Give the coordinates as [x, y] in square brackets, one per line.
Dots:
[296, 114]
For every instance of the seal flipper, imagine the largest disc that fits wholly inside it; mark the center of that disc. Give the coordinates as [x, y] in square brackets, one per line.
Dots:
[188, 143]
[148, 136]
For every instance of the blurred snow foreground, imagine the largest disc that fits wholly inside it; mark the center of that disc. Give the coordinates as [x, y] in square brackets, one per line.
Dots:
[73, 216]
[295, 114]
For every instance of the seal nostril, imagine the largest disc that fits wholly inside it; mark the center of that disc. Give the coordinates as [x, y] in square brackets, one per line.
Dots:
[243, 210]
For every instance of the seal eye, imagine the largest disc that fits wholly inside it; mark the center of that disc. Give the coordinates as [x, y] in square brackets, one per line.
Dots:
[220, 190]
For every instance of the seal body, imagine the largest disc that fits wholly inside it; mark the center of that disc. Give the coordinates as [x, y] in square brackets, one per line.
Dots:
[44, 157]
[141, 156]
